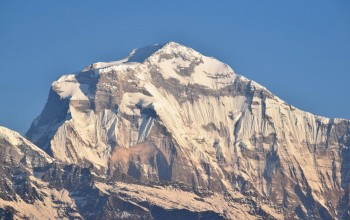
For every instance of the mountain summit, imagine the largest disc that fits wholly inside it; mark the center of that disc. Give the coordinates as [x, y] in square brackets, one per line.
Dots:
[168, 133]
[102, 92]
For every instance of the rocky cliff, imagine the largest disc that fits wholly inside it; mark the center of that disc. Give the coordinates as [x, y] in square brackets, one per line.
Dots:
[169, 131]
[35, 186]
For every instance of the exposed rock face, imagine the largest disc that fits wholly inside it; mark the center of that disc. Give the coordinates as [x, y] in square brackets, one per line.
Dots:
[22, 193]
[35, 186]
[167, 115]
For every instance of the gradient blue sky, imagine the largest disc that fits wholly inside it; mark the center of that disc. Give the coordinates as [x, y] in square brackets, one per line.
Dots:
[299, 50]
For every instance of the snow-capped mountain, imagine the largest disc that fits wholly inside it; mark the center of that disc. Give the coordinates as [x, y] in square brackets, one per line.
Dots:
[168, 133]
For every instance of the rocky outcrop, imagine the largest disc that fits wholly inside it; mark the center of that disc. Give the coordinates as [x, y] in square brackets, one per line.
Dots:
[171, 117]
[22, 193]
[35, 186]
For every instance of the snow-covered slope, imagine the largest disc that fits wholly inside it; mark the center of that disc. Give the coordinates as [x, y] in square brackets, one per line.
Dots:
[21, 150]
[168, 115]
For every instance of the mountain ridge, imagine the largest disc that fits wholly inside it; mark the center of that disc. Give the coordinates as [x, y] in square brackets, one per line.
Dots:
[150, 50]
[183, 120]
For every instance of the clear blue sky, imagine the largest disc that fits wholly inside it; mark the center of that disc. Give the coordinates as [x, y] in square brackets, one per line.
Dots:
[299, 50]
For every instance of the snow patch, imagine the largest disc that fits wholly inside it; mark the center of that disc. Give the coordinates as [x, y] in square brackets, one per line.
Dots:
[67, 86]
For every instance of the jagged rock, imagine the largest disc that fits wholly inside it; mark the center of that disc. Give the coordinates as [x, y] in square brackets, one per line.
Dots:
[168, 119]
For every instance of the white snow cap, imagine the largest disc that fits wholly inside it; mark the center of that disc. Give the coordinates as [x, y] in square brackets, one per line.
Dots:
[173, 60]
[189, 66]
[67, 86]
[177, 53]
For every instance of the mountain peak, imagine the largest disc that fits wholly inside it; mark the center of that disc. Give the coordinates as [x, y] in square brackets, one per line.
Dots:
[139, 55]
[14, 139]
[10, 136]
[167, 114]
[174, 49]
[155, 51]
[174, 61]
